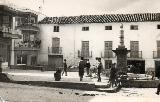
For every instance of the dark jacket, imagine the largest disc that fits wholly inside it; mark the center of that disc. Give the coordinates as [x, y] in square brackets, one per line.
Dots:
[100, 66]
[113, 73]
[65, 66]
[81, 67]
[88, 65]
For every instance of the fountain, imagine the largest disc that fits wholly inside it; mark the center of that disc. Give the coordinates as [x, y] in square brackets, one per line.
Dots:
[121, 53]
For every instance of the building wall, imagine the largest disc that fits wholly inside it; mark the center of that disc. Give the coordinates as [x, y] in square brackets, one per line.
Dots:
[71, 36]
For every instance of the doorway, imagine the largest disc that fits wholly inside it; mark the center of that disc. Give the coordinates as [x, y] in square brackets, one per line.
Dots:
[108, 64]
[157, 69]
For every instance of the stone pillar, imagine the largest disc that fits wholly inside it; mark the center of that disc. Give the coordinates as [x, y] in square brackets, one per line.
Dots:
[121, 53]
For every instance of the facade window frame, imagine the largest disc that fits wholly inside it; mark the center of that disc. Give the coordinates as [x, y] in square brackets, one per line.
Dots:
[108, 27]
[133, 27]
[56, 29]
[86, 28]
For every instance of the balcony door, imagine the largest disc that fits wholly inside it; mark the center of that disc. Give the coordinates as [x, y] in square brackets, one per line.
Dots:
[85, 49]
[108, 49]
[158, 48]
[134, 47]
[55, 45]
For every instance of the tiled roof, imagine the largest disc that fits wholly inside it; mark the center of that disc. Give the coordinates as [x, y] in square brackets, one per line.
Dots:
[107, 18]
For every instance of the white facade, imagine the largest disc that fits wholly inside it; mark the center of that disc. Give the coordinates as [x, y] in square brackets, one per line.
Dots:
[71, 36]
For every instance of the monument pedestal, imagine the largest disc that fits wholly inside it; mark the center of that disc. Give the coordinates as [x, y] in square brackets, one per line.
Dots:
[121, 53]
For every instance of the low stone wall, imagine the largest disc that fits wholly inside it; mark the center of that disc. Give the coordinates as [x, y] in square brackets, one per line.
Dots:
[68, 85]
[140, 83]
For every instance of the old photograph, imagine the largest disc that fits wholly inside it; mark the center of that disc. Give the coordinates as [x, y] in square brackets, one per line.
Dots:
[79, 50]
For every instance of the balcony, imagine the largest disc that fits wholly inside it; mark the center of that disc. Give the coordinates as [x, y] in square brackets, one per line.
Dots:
[85, 54]
[108, 54]
[135, 55]
[156, 54]
[27, 45]
[7, 32]
[28, 27]
[55, 50]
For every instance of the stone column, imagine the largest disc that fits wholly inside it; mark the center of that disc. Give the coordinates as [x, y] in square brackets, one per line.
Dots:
[121, 53]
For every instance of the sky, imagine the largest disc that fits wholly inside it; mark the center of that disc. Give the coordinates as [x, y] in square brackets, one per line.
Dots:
[88, 7]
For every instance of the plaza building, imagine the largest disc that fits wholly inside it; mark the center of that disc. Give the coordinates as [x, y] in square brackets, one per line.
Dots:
[19, 39]
[26, 49]
[93, 36]
[7, 34]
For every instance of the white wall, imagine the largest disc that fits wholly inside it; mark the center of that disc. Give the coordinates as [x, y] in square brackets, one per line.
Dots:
[147, 34]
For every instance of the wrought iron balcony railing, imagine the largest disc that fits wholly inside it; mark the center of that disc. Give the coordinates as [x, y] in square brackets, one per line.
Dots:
[27, 45]
[7, 32]
[135, 54]
[54, 50]
[28, 27]
[85, 54]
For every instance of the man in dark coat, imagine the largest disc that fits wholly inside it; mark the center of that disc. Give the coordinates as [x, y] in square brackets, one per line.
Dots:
[1, 60]
[64, 67]
[113, 75]
[100, 66]
[88, 65]
[81, 68]
[158, 89]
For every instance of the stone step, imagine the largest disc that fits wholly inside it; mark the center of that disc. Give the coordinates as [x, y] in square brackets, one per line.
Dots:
[102, 86]
[109, 90]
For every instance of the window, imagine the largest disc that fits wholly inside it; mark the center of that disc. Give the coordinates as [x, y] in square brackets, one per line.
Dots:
[108, 49]
[85, 49]
[56, 29]
[85, 28]
[56, 45]
[22, 59]
[158, 26]
[158, 48]
[134, 47]
[108, 27]
[4, 51]
[5, 21]
[134, 27]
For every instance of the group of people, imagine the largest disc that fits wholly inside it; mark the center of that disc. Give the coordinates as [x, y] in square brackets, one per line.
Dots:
[82, 65]
[113, 78]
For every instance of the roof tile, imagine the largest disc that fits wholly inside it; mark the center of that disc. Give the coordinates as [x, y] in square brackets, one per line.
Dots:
[139, 17]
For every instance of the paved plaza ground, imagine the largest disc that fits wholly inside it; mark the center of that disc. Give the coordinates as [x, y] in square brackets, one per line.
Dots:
[11, 92]
[24, 93]
[37, 75]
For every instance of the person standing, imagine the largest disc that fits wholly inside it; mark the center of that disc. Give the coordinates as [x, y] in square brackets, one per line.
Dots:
[158, 89]
[88, 65]
[81, 68]
[113, 75]
[64, 67]
[1, 60]
[100, 66]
